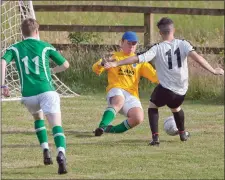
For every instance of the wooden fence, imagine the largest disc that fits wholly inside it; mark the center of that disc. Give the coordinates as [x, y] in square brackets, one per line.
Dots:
[147, 28]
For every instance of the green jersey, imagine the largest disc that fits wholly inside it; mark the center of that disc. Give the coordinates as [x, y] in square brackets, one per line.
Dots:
[32, 61]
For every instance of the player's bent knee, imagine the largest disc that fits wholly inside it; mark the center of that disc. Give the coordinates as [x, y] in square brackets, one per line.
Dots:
[139, 120]
[38, 115]
[176, 109]
[136, 120]
[117, 106]
[152, 105]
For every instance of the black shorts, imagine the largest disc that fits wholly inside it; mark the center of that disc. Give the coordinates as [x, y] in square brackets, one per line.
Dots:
[162, 96]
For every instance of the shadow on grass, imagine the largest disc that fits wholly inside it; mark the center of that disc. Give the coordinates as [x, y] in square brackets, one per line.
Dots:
[19, 173]
[20, 145]
[22, 172]
[79, 134]
[18, 132]
[26, 167]
[87, 135]
[141, 142]
[128, 142]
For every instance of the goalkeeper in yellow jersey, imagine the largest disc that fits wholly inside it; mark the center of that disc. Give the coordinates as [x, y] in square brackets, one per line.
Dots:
[122, 89]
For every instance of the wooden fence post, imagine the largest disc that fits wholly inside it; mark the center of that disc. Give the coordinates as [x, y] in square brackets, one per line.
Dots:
[149, 26]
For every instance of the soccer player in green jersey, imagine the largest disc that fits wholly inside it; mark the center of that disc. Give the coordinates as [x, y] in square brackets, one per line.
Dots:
[38, 93]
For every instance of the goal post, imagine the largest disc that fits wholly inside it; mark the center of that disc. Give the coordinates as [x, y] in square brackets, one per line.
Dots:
[12, 14]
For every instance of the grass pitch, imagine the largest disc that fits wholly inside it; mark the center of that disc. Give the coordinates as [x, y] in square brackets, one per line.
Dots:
[115, 156]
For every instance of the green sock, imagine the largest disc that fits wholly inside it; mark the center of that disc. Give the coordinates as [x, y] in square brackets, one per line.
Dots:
[59, 138]
[41, 133]
[120, 128]
[107, 117]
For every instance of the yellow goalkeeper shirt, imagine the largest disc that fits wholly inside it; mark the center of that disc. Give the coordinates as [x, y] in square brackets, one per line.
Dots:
[126, 77]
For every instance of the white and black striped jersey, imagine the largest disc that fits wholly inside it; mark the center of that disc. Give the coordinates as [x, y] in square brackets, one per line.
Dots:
[170, 63]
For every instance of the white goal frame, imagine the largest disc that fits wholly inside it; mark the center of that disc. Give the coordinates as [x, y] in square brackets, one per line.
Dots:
[12, 14]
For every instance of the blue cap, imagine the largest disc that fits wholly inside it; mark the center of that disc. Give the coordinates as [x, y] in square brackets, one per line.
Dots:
[130, 36]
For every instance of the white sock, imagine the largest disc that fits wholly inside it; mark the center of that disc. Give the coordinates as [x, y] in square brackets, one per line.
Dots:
[62, 149]
[44, 145]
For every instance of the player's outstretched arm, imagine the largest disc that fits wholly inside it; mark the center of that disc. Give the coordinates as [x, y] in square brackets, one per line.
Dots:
[4, 88]
[200, 60]
[130, 60]
[60, 68]
[98, 67]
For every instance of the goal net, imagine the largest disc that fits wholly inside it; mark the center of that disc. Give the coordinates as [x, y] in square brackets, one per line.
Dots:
[12, 14]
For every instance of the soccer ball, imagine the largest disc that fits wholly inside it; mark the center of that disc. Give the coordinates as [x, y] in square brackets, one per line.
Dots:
[170, 126]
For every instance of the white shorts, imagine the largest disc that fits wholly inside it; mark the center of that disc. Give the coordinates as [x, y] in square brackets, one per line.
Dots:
[48, 102]
[130, 100]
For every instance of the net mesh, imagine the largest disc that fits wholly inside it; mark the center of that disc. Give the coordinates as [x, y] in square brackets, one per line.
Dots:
[12, 14]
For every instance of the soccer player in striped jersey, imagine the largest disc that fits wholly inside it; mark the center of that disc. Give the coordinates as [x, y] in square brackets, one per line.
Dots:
[122, 89]
[32, 58]
[172, 71]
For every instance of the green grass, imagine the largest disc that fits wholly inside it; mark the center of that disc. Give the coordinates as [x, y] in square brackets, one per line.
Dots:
[121, 156]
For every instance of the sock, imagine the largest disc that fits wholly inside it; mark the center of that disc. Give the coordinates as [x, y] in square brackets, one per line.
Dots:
[120, 128]
[179, 119]
[107, 117]
[41, 133]
[153, 117]
[59, 138]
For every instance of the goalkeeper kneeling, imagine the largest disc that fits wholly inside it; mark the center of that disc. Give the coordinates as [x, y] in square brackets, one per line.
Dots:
[122, 89]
